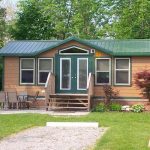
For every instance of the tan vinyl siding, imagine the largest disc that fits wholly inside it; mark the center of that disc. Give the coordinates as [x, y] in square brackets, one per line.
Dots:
[11, 77]
[137, 64]
[11, 73]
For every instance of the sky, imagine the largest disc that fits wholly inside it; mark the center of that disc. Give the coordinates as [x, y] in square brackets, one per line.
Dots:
[11, 8]
[5, 3]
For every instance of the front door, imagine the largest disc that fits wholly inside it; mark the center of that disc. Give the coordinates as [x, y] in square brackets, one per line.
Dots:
[72, 73]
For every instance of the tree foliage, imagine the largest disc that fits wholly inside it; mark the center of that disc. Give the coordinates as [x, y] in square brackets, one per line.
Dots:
[59, 19]
[131, 19]
[2, 26]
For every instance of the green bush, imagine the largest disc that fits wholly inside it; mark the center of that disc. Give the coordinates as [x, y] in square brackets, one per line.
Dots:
[100, 108]
[115, 107]
[137, 108]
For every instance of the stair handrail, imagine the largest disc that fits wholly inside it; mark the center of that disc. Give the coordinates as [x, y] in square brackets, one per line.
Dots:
[90, 88]
[49, 86]
[50, 83]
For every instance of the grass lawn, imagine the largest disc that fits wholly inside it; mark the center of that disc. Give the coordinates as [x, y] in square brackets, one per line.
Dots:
[128, 131]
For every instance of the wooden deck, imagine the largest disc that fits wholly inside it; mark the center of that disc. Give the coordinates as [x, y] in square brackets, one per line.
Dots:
[57, 101]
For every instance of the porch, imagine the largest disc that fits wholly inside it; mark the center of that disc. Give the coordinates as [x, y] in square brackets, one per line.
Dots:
[68, 101]
[52, 101]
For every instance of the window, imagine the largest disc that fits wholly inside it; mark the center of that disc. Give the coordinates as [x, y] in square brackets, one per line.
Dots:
[122, 71]
[103, 71]
[74, 50]
[27, 70]
[45, 65]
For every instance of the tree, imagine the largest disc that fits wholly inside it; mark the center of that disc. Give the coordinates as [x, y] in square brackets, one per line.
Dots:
[2, 26]
[58, 19]
[142, 81]
[31, 23]
[131, 19]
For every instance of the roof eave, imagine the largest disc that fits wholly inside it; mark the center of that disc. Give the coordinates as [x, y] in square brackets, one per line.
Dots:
[132, 54]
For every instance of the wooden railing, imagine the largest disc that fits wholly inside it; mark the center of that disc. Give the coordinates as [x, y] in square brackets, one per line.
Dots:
[49, 88]
[90, 89]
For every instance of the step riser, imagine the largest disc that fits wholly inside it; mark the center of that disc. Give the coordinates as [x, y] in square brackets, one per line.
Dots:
[63, 101]
[69, 96]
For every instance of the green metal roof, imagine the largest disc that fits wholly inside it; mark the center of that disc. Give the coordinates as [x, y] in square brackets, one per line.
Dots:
[133, 47]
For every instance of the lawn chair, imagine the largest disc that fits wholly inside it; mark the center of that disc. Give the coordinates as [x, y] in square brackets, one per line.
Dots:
[2, 99]
[13, 99]
[23, 98]
[32, 99]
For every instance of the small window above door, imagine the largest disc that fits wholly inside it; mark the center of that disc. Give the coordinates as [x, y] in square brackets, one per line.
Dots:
[73, 50]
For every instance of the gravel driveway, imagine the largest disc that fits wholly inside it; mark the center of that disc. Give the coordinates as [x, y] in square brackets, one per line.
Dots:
[51, 138]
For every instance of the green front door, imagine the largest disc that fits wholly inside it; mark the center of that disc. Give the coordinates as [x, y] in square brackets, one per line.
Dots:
[72, 73]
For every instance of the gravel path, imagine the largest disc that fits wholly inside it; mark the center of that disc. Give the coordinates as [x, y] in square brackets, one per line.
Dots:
[51, 138]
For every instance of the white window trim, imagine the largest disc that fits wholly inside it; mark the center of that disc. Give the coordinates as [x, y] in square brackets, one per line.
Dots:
[78, 59]
[102, 71]
[61, 74]
[87, 51]
[21, 83]
[129, 71]
[42, 83]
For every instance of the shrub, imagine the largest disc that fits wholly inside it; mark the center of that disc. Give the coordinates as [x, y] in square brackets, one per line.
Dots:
[110, 93]
[100, 108]
[115, 107]
[137, 108]
[142, 81]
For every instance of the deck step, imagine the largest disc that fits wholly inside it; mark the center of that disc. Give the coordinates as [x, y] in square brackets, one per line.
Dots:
[75, 96]
[69, 101]
[57, 107]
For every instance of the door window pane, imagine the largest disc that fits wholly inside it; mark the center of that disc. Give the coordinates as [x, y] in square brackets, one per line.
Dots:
[65, 76]
[82, 73]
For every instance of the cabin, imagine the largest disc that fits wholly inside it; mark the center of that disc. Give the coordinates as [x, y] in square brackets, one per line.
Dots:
[71, 73]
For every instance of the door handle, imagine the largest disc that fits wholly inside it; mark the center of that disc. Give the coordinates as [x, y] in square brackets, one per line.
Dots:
[72, 77]
[75, 77]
